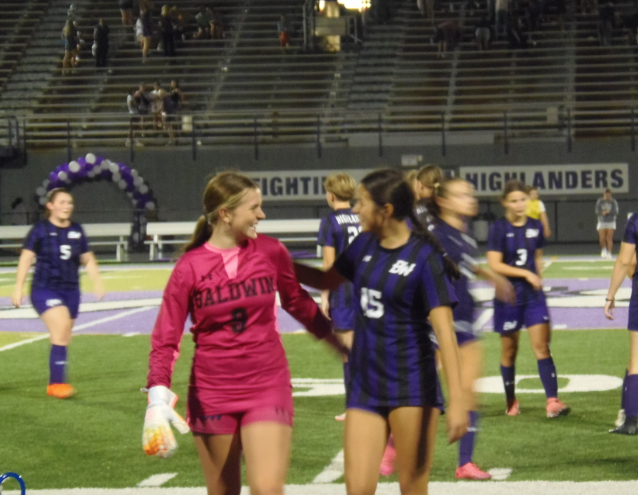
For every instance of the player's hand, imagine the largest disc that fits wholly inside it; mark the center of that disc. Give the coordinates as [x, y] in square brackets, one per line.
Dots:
[609, 308]
[158, 438]
[504, 290]
[534, 280]
[99, 290]
[16, 297]
[457, 420]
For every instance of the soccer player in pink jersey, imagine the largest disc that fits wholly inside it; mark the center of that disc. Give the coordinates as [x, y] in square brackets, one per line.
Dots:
[240, 394]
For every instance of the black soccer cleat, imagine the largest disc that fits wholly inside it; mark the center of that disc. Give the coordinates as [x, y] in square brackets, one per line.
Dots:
[627, 428]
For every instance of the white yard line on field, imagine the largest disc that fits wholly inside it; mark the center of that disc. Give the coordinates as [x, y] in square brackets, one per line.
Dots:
[435, 488]
[77, 328]
[482, 320]
[332, 471]
[157, 480]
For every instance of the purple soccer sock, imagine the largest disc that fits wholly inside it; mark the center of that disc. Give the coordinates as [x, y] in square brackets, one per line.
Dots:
[547, 372]
[509, 380]
[466, 444]
[631, 396]
[623, 397]
[57, 364]
[346, 379]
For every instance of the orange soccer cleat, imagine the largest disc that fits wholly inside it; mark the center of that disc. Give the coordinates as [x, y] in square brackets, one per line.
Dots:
[556, 408]
[60, 390]
[513, 409]
[471, 471]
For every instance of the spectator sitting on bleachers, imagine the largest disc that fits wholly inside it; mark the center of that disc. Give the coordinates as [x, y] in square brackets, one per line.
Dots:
[205, 25]
[147, 31]
[283, 26]
[606, 20]
[447, 35]
[135, 117]
[70, 37]
[168, 35]
[217, 28]
[101, 41]
[483, 33]
[181, 24]
[126, 9]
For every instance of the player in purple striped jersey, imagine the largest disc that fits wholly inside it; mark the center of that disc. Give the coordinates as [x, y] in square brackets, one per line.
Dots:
[401, 278]
[626, 266]
[453, 203]
[59, 247]
[336, 232]
[427, 179]
[515, 250]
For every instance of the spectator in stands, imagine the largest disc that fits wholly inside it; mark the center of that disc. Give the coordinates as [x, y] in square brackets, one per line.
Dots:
[147, 31]
[217, 25]
[126, 9]
[143, 99]
[173, 101]
[69, 35]
[139, 36]
[606, 20]
[70, 14]
[483, 33]
[515, 36]
[101, 41]
[19, 214]
[157, 105]
[168, 34]
[447, 35]
[204, 23]
[502, 18]
[283, 26]
[135, 118]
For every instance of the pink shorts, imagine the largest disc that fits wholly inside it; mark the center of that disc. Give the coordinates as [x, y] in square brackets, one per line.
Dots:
[229, 424]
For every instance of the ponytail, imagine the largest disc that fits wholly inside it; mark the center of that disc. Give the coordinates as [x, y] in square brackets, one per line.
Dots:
[449, 267]
[202, 233]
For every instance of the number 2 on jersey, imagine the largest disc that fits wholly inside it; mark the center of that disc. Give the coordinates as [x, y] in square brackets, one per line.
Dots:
[522, 257]
[65, 252]
[353, 231]
[371, 303]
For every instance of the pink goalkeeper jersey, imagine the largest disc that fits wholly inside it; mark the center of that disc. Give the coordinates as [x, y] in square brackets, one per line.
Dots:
[230, 296]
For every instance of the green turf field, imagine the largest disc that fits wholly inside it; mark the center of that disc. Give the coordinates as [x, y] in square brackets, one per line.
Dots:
[94, 439]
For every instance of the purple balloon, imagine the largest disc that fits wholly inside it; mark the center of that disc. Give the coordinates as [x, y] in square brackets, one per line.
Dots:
[53, 176]
[98, 160]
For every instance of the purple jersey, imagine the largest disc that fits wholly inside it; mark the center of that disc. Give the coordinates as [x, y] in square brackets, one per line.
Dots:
[462, 248]
[518, 246]
[338, 230]
[58, 253]
[631, 237]
[392, 359]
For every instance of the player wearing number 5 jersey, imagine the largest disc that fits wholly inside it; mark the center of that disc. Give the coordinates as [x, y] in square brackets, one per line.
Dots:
[240, 394]
[59, 247]
[336, 232]
[515, 250]
[401, 279]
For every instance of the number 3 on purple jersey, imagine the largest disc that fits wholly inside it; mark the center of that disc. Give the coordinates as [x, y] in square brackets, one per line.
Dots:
[371, 303]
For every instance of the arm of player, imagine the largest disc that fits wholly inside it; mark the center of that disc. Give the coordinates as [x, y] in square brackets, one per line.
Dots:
[90, 263]
[632, 268]
[624, 261]
[504, 290]
[26, 260]
[318, 279]
[456, 413]
[495, 262]
[545, 221]
[328, 260]
[538, 261]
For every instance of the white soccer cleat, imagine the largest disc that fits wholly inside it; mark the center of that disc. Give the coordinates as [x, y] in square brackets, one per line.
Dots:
[620, 420]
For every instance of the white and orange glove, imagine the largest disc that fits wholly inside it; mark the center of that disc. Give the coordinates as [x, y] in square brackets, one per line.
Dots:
[158, 438]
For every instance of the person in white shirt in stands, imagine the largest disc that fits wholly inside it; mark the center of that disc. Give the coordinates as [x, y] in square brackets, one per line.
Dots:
[607, 211]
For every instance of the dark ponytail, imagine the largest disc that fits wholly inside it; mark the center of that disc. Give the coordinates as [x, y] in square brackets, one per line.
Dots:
[388, 186]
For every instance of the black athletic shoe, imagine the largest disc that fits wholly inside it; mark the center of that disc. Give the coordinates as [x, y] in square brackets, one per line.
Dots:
[627, 428]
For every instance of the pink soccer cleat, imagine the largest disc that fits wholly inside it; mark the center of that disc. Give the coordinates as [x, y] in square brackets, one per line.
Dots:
[470, 471]
[387, 463]
[513, 408]
[556, 408]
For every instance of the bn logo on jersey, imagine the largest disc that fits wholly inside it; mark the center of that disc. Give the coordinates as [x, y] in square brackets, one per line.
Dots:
[402, 268]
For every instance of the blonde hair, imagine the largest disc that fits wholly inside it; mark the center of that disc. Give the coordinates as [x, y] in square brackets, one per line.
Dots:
[341, 185]
[430, 175]
[411, 176]
[51, 195]
[225, 190]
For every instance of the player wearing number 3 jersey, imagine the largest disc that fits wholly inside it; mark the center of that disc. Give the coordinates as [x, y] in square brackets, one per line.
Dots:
[59, 247]
[240, 394]
[515, 250]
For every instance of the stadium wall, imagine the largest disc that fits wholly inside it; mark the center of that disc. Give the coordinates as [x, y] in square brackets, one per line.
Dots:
[178, 180]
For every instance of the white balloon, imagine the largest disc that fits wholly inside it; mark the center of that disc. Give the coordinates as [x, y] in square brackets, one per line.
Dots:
[116, 177]
[74, 167]
[113, 167]
[138, 181]
[129, 194]
[134, 172]
[43, 200]
[150, 205]
[62, 175]
[122, 184]
[90, 158]
[143, 188]
[45, 183]
[40, 191]
[105, 164]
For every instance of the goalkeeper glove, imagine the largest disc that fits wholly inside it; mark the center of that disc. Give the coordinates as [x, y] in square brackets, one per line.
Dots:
[158, 438]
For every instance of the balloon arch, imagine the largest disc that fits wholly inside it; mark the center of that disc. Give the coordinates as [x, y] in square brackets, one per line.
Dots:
[91, 168]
